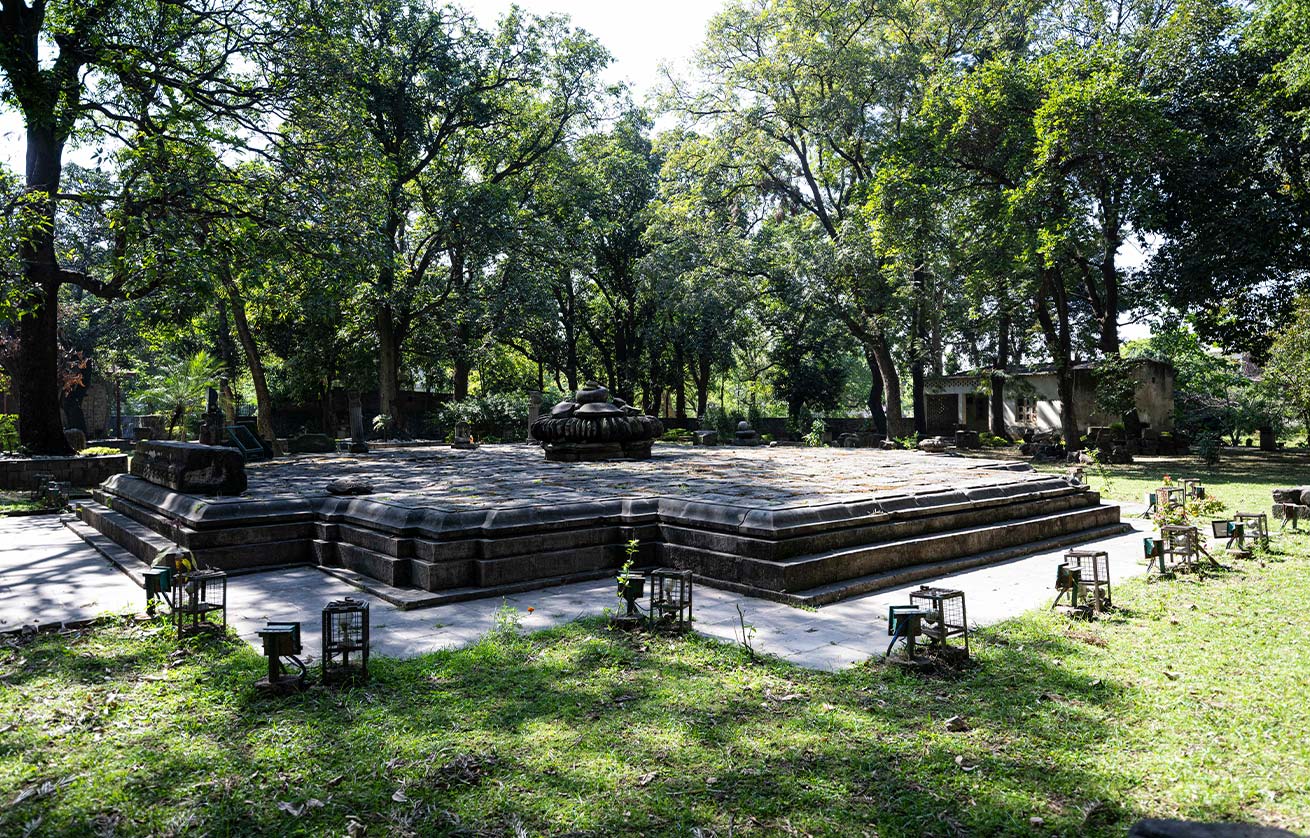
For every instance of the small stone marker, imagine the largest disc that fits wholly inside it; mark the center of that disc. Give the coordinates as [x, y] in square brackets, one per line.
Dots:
[350, 486]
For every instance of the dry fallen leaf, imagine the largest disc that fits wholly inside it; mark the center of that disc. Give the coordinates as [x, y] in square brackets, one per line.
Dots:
[645, 779]
[957, 724]
[959, 760]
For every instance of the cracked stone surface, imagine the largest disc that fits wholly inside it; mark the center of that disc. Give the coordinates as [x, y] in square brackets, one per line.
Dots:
[513, 474]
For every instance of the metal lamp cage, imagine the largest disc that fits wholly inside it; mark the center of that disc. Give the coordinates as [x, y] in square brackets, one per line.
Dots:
[1257, 526]
[1094, 575]
[670, 599]
[345, 641]
[199, 602]
[948, 617]
[1182, 545]
[1167, 497]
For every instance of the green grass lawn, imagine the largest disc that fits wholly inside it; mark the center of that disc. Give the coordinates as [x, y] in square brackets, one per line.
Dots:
[1192, 700]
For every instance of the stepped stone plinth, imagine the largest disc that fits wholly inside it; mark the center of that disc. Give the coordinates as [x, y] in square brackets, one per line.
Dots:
[799, 524]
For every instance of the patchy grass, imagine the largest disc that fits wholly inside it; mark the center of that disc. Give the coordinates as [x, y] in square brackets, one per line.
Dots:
[1243, 478]
[1190, 701]
[18, 503]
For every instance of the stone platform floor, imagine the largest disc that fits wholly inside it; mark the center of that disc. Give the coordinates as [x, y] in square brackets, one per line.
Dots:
[513, 474]
[48, 575]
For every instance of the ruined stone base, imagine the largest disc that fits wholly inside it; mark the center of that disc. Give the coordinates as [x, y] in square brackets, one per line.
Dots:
[770, 522]
[591, 452]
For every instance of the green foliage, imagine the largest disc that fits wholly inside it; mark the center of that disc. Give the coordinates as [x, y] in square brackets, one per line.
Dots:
[99, 451]
[907, 443]
[180, 388]
[814, 438]
[678, 435]
[8, 432]
[990, 440]
[1208, 448]
[716, 419]
[1288, 371]
[487, 415]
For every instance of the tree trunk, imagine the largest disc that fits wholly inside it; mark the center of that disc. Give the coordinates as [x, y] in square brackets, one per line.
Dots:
[36, 369]
[254, 361]
[998, 378]
[1060, 344]
[463, 365]
[388, 363]
[918, 349]
[891, 379]
[701, 376]
[876, 411]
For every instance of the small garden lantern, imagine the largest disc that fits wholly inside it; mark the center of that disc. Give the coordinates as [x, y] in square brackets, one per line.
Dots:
[1257, 526]
[670, 599]
[947, 617]
[345, 641]
[282, 648]
[632, 587]
[199, 602]
[1182, 546]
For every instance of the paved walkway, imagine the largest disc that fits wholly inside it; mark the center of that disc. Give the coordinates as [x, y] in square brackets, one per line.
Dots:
[48, 575]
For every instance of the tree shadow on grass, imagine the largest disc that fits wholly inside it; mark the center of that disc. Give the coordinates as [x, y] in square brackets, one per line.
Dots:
[581, 730]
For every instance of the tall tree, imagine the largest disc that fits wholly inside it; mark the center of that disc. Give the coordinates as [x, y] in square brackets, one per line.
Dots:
[156, 78]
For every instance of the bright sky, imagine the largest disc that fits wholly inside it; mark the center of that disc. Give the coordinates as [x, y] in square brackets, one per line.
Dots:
[639, 36]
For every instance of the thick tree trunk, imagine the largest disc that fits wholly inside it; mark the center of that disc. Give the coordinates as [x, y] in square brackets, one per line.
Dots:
[891, 379]
[36, 369]
[876, 411]
[254, 361]
[463, 366]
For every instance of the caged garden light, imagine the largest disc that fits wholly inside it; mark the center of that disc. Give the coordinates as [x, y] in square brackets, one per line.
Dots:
[345, 641]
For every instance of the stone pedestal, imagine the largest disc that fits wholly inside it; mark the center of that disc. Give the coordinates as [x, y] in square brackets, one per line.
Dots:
[583, 452]
[311, 444]
[190, 468]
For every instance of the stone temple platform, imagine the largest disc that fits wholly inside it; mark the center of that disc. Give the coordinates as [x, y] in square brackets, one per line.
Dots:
[805, 526]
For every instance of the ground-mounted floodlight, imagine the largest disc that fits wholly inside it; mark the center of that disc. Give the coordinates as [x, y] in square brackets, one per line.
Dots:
[345, 641]
[282, 648]
[1233, 534]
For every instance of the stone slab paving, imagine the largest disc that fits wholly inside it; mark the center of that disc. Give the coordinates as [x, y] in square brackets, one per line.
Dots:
[48, 575]
[512, 474]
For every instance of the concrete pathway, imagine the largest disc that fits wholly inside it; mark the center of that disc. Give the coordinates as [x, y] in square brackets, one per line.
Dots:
[48, 575]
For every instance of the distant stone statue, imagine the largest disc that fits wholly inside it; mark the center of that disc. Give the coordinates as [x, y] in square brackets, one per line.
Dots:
[745, 434]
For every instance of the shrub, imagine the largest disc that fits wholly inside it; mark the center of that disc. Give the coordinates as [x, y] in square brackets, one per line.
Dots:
[8, 432]
[814, 439]
[487, 415]
[98, 451]
[1208, 446]
[678, 435]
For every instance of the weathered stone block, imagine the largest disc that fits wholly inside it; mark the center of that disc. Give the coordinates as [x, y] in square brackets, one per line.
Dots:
[312, 444]
[707, 437]
[191, 468]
